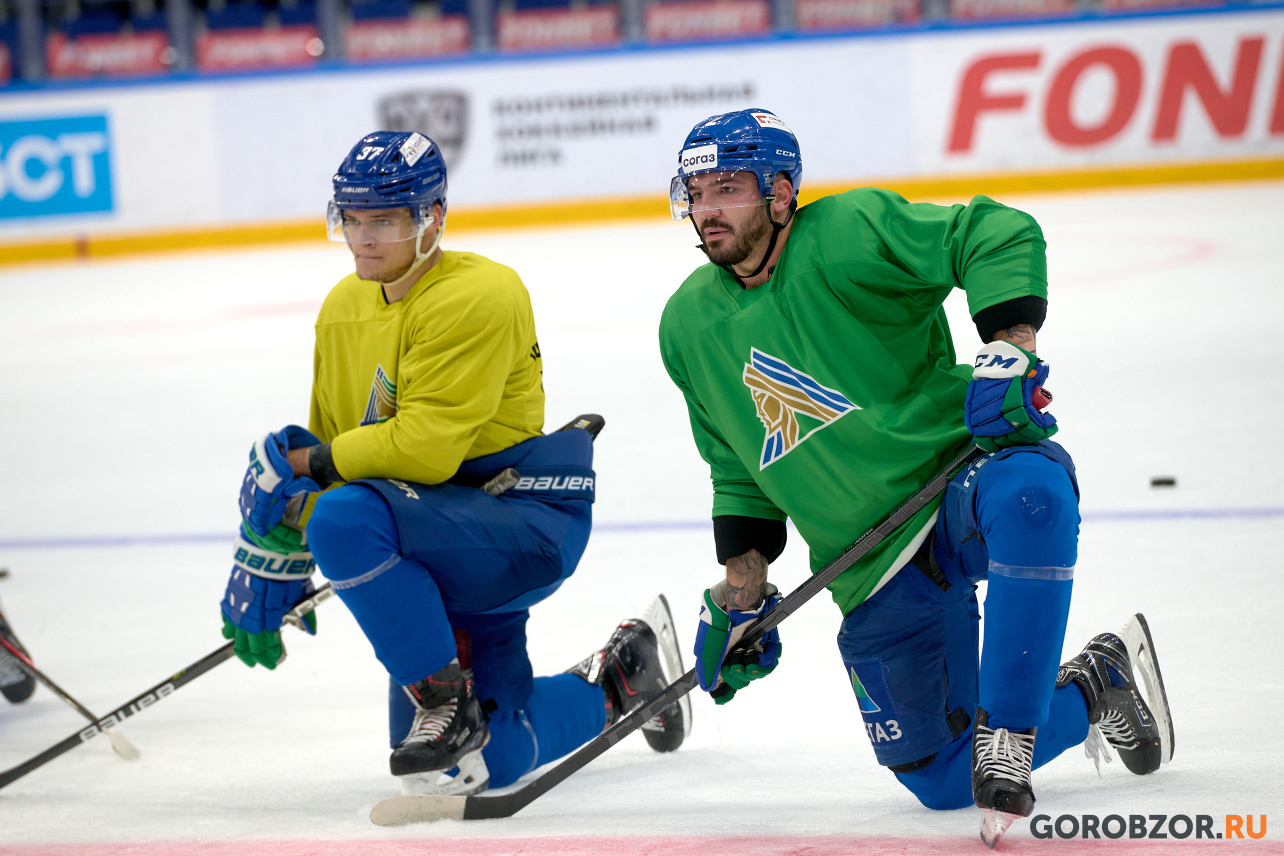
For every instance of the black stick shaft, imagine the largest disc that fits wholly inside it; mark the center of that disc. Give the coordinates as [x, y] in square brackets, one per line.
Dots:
[506, 805]
[144, 700]
[30, 668]
[126, 710]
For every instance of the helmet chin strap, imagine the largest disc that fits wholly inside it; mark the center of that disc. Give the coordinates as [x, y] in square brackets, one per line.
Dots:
[776, 229]
[420, 255]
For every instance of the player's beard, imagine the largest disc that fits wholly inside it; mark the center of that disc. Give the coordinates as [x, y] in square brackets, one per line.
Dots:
[743, 240]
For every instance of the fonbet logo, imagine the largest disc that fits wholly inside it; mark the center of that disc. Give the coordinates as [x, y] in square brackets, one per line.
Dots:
[770, 120]
[701, 157]
[442, 116]
[55, 166]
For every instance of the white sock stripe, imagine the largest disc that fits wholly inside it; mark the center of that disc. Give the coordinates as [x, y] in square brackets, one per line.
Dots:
[1018, 572]
[339, 585]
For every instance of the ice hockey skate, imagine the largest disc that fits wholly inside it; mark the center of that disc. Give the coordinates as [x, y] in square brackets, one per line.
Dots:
[442, 753]
[639, 660]
[1106, 673]
[15, 683]
[1001, 788]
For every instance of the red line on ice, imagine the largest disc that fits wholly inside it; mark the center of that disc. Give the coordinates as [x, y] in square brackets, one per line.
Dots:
[684, 845]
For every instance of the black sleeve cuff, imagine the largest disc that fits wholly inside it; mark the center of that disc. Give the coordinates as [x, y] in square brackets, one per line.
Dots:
[1022, 310]
[734, 535]
[321, 463]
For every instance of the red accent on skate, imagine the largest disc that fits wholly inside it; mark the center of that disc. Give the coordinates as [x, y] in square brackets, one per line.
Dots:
[628, 689]
[1017, 841]
[464, 649]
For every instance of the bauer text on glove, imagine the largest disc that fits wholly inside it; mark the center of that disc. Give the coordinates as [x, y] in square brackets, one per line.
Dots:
[270, 481]
[270, 574]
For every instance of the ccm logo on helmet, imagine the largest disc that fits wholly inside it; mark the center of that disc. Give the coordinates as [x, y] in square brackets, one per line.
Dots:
[701, 157]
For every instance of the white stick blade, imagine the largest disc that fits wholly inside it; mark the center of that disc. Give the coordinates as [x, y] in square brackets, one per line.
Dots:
[398, 811]
[121, 746]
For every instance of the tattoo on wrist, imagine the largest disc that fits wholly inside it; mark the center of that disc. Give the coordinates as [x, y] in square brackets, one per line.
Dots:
[1021, 335]
[746, 576]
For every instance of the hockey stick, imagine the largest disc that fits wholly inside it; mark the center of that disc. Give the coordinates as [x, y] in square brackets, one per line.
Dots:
[119, 742]
[162, 690]
[412, 809]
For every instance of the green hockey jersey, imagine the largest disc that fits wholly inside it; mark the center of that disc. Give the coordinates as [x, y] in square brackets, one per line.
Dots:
[831, 393]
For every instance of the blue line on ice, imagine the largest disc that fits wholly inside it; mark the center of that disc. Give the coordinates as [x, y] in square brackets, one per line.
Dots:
[610, 527]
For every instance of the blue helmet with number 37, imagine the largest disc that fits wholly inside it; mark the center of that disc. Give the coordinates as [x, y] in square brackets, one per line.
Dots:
[389, 169]
[755, 141]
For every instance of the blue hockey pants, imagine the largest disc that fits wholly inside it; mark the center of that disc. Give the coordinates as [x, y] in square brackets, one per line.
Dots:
[910, 651]
[416, 563]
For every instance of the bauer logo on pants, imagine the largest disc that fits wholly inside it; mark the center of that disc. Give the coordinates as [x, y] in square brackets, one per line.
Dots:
[781, 394]
[55, 166]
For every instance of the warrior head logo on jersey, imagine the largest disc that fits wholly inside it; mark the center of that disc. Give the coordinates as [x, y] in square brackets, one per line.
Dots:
[382, 405]
[782, 394]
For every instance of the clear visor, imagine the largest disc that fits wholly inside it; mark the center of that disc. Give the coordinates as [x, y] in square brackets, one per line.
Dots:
[713, 191]
[377, 225]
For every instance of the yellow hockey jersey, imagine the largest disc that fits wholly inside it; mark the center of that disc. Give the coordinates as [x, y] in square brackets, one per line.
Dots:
[449, 373]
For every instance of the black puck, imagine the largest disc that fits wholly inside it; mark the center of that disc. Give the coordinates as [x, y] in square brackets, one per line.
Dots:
[1163, 481]
[4, 572]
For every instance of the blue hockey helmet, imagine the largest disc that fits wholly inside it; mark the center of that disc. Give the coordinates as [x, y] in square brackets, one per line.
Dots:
[389, 169]
[755, 141]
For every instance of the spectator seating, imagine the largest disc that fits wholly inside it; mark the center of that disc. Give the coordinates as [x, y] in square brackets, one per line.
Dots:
[372, 10]
[236, 16]
[520, 5]
[149, 23]
[92, 21]
[299, 14]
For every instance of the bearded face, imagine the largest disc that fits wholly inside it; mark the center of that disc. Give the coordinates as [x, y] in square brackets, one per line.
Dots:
[734, 242]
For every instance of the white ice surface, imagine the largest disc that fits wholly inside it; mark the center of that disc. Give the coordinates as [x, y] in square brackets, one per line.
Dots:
[131, 390]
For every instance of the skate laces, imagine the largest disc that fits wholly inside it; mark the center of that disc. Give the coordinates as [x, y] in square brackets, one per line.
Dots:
[10, 672]
[1004, 754]
[430, 724]
[1096, 748]
[1117, 730]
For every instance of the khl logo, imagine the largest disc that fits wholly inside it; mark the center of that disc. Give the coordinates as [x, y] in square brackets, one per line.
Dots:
[55, 166]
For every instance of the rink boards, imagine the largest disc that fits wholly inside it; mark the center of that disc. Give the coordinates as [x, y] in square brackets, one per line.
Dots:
[594, 136]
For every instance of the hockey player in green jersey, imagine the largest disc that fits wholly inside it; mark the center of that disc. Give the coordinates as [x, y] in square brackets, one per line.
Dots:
[822, 387]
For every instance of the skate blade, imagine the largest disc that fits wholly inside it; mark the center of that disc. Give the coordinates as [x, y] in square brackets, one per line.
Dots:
[398, 811]
[994, 824]
[472, 777]
[1141, 651]
[660, 619]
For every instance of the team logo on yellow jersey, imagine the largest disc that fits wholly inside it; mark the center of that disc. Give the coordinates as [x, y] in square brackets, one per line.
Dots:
[781, 394]
[382, 405]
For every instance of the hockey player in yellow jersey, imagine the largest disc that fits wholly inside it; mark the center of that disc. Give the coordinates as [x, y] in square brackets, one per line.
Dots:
[427, 389]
